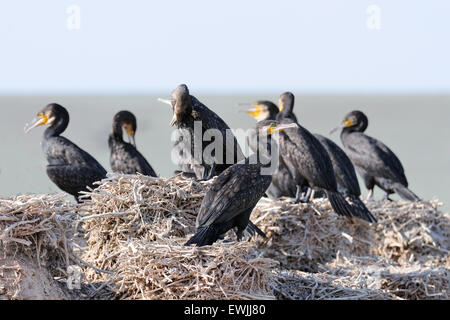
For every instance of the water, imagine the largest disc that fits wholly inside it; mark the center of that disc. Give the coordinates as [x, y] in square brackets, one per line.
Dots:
[416, 128]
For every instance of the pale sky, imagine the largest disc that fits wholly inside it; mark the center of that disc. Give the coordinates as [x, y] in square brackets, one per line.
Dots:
[232, 46]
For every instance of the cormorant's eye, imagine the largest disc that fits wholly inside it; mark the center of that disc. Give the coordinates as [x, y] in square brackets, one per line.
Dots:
[273, 124]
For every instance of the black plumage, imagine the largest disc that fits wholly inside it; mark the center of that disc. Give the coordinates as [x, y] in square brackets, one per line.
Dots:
[69, 167]
[263, 110]
[233, 195]
[193, 119]
[374, 161]
[310, 166]
[124, 157]
[286, 107]
[282, 183]
[344, 171]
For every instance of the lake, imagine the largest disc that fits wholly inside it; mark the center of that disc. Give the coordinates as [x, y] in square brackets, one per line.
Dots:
[415, 127]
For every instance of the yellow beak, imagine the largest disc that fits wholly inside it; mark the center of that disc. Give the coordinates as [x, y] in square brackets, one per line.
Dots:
[255, 111]
[282, 127]
[40, 120]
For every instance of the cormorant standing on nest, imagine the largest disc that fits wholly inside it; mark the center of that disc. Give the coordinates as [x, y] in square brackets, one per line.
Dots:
[124, 157]
[193, 119]
[231, 198]
[344, 171]
[311, 167]
[69, 167]
[376, 163]
[282, 183]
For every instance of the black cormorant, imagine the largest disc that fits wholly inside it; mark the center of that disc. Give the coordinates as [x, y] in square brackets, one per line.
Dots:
[310, 166]
[69, 167]
[282, 183]
[263, 110]
[344, 171]
[374, 161]
[230, 199]
[286, 107]
[193, 119]
[124, 157]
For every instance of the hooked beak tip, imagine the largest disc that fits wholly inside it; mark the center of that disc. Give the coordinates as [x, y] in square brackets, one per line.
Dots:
[166, 101]
[334, 130]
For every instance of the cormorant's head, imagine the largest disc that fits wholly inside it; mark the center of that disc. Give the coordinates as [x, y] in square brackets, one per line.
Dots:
[269, 127]
[127, 121]
[353, 121]
[53, 113]
[263, 110]
[286, 103]
[259, 137]
[180, 103]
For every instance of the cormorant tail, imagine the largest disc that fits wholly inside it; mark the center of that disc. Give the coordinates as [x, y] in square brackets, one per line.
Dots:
[361, 207]
[251, 228]
[204, 236]
[405, 193]
[340, 206]
[343, 208]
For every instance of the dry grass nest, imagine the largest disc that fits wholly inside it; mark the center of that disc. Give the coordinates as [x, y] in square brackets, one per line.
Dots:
[128, 235]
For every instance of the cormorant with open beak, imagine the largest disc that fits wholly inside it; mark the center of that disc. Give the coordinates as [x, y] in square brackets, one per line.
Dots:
[124, 157]
[193, 119]
[374, 161]
[69, 167]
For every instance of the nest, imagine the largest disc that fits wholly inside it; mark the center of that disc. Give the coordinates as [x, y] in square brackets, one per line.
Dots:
[36, 226]
[168, 270]
[368, 278]
[136, 227]
[324, 256]
[303, 236]
[127, 239]
[136, 207]
[34, 245]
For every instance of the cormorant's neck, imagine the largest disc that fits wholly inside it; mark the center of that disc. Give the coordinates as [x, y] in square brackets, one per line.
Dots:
[57, 127]
[117, 132]
[264, 151]
[184, 111]
[286, 113]
[360, 127]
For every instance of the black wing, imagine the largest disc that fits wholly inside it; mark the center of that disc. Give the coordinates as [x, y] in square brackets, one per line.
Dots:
[235, 190]
[70, 167]
[374, 157]
[127, 159]
[342, 166]
[210, 120]
[300, 150]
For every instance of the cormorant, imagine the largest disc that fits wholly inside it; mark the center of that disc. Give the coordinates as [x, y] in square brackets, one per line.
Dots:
[194, 122]
[374, 161]
[282, 183]
[286, 107]
[310, 166]
[231, 198]
[69, 167]
[263, 110]
[124, 157]
[344, 171]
